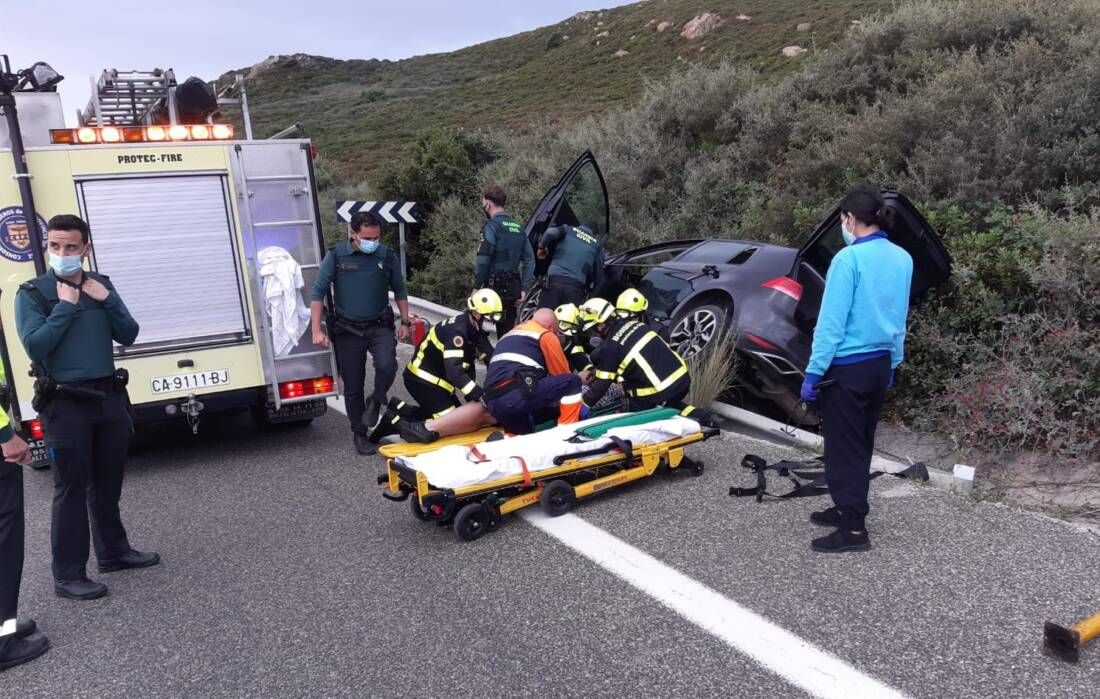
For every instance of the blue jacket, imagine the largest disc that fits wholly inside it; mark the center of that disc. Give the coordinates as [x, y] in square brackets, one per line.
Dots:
[865, 305]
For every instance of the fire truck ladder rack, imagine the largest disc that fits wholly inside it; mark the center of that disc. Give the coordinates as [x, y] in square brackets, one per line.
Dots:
[125, 98]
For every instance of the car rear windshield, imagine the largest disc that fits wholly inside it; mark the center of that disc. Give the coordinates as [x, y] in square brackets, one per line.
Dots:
[714, 252]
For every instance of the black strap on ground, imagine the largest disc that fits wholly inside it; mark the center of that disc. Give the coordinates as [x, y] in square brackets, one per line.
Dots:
[807, 477]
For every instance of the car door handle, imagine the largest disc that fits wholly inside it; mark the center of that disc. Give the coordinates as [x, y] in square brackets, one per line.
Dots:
[184, 363]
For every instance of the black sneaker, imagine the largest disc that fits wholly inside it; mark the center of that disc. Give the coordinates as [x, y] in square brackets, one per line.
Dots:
[370, 413]
[387, 425]
[405, 410]
[842, 540]
[363, 444]
[826, 518]
[416, 431]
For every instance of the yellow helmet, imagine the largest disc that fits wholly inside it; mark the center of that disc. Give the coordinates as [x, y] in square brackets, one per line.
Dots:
[486, 302]
[568, 318]
[630, 302]
[594, 311]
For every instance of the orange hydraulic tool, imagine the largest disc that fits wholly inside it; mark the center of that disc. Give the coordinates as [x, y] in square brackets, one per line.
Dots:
[1065, 643]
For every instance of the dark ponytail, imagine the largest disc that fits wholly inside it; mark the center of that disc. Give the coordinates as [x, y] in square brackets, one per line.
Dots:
[867, 205]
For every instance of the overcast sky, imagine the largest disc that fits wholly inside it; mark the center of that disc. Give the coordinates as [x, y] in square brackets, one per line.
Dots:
[208, 37]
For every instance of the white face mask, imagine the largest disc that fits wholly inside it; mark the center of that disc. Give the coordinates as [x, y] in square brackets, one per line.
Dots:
[849, 237]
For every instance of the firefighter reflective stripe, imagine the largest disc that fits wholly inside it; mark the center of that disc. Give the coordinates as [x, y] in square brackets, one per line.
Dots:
[455, 354]
[517, 358]
[443, 412]
[609, 375]
[643, 392]
[420, 373]
[575, 398]
[657, 384]
[468, 388]
[7, 628]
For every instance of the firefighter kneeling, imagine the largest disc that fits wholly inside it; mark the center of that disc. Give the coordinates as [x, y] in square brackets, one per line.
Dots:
[631, 353]
[442, 370]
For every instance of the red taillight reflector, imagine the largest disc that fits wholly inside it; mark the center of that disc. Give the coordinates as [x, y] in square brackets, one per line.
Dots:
[62, 136]
[133, 134]
[309, 387]
[34, 429]
[761, 341]
[785, 285]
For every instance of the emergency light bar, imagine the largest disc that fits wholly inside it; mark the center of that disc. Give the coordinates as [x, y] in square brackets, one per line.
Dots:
[87, 135]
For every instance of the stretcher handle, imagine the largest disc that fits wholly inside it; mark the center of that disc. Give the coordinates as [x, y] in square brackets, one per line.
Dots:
[624, 445]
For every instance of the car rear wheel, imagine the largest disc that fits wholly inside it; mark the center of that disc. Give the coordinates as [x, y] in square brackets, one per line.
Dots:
[695, 328]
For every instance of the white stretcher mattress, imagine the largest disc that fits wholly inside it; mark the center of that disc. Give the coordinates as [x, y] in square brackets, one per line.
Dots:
[454, 467]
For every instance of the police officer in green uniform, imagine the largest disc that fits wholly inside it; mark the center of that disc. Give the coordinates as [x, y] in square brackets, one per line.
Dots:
[360, 273]
[503, 251]
[67, 319]
[575, 268]
[15, 646]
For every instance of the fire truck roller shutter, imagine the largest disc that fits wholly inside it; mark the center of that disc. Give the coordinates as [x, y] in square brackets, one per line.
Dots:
[168, 245]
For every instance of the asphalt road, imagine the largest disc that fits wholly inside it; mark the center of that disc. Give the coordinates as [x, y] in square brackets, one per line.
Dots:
[286, 574]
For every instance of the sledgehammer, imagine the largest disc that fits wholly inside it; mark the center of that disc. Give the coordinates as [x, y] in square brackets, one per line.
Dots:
[1065, 643]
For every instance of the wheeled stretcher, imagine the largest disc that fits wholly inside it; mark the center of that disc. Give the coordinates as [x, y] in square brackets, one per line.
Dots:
[472, 481]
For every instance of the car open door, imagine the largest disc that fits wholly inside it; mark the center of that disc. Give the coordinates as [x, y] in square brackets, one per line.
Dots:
[931, 261]
[579, 197]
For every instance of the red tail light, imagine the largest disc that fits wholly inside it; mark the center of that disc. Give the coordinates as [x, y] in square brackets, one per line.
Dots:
[34, 429]
[309, 387]
[785, 285]
[761, 341]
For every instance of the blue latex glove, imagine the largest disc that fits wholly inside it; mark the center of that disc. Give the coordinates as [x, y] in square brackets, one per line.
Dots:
[809, 388]
[584, 412]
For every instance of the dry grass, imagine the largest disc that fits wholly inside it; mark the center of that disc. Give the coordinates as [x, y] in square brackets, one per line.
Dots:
[713, 370]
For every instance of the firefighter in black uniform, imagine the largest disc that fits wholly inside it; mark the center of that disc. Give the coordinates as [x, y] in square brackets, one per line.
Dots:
[441, 377]
[652, 373]
[572, 337]
[67, 320]
[505, 261]
[15, 648]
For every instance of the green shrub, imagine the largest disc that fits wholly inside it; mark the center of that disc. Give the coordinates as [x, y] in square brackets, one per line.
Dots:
[983, 110]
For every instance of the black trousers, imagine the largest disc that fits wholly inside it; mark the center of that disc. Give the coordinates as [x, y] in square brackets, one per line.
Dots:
[849, 414]
[509, 288]
[561, 290]
[351, 359]
[675, 396]
[11, 540]
[432, 401]
[87, 440]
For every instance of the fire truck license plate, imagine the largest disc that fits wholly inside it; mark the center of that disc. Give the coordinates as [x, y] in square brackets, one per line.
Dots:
[188, 382]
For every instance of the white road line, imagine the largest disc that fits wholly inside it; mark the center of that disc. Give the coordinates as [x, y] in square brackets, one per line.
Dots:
[780, 651]
[795, 660]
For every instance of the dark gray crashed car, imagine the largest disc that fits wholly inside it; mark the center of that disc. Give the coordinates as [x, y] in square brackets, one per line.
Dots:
[764, 297]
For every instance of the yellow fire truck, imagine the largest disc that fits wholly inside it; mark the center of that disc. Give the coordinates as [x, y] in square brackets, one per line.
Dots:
[201, 233]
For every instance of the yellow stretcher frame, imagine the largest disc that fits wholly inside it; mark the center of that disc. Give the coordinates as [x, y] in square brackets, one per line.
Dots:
[505, 495]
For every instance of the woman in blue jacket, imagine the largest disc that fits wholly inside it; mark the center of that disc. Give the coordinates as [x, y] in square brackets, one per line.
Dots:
[858, 343]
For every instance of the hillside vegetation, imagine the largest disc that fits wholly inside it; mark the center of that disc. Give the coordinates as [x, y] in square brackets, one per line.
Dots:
[362, 113]
[982, 111]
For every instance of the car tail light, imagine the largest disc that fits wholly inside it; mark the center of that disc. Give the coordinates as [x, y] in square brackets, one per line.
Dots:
[34, 429]
[785, 285]
[308, 387]
[760, 341]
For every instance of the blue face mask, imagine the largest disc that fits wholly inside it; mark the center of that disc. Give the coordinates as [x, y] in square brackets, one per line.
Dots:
[368, 246]
[849, 237]
[66, 265]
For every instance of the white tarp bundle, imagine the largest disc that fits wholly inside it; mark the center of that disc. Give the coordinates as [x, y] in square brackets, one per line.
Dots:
[455, 466]
[282, 279]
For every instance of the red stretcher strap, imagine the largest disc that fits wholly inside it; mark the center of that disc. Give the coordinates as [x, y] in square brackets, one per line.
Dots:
[526, 474]
[476, 453]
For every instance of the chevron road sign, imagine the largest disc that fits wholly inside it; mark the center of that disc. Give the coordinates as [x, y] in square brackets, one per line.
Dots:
[391, 211]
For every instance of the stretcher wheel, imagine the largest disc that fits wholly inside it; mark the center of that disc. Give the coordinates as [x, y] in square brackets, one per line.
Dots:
[472, 522]
[417, 510]
[557, 498]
